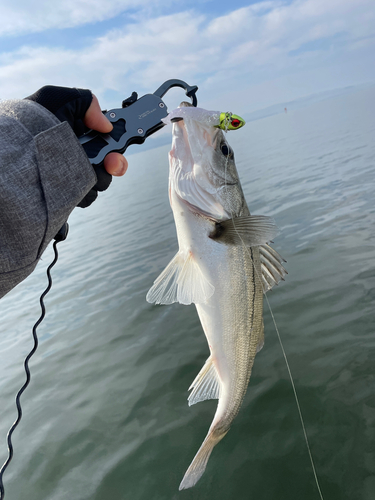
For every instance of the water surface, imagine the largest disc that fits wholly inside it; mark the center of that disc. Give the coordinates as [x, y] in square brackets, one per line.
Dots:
[106, 415]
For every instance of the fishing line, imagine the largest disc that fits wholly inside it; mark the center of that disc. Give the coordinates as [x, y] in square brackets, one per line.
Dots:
[61, 235]
[227, 121]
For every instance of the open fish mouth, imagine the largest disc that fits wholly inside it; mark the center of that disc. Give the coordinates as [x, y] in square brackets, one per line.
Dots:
[192, 176]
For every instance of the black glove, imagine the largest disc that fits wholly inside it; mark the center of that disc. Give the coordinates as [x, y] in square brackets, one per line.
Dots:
[70, 105]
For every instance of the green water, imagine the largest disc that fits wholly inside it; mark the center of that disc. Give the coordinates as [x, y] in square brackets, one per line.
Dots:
[106, 416]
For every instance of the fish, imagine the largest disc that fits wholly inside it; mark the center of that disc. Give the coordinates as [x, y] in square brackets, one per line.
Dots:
[224, 265]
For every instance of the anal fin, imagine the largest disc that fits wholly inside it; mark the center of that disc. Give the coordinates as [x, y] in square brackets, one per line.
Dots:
[206, 384]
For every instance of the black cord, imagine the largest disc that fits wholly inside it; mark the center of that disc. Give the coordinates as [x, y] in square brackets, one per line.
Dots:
[61, 235]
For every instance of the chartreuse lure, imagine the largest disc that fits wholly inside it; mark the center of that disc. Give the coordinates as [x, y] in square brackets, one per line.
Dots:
[228, 121]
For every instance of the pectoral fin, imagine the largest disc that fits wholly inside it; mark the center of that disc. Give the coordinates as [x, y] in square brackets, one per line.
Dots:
[249, 230]
[181, 281]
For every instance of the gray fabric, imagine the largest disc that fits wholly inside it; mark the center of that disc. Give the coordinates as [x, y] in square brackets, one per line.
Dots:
[44, 173]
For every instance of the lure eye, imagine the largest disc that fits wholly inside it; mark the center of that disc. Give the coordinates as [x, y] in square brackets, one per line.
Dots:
[225, 150]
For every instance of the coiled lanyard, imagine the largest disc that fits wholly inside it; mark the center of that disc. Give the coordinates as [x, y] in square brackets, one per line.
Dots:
[60, 236]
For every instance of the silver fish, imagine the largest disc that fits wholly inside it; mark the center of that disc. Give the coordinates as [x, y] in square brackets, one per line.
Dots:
[223, 266]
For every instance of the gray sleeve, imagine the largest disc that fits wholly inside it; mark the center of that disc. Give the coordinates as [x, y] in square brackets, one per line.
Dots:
[44, 173]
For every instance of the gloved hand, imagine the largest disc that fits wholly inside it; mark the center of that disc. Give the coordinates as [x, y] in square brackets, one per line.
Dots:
[80, 108]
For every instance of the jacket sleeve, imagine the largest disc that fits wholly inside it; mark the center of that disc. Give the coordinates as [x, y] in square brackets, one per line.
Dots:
[44, 174]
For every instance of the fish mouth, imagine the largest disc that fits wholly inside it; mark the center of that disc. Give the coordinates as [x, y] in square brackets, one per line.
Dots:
[210, 144]
[191, 160]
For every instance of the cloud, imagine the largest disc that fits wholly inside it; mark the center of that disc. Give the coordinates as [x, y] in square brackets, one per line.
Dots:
[24, 16]
[251, 44]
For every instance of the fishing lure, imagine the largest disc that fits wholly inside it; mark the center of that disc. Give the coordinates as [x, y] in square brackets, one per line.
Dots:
[229, 121]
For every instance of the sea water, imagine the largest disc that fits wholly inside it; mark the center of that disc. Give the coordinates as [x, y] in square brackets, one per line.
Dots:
[106, 414]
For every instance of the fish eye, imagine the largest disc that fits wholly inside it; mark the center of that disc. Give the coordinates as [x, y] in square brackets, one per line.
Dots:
[225, 149]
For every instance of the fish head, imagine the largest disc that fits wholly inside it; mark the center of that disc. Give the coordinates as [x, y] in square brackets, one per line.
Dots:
[203, 172]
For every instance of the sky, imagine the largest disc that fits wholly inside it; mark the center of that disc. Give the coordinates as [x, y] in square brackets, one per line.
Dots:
[243, 55]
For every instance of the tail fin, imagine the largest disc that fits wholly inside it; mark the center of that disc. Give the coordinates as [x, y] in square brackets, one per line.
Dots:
[198, 465]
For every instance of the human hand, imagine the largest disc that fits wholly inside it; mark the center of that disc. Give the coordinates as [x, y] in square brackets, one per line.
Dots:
[114, 163]
[80, 108]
